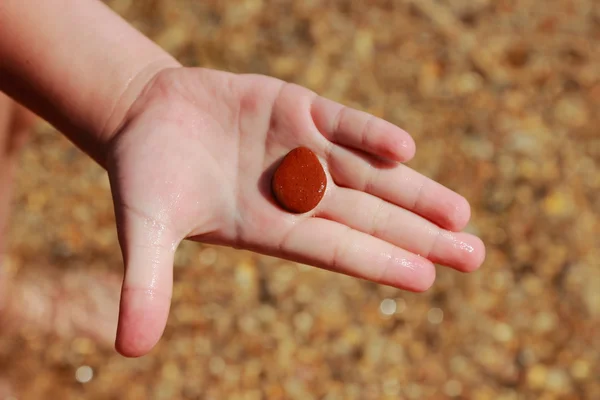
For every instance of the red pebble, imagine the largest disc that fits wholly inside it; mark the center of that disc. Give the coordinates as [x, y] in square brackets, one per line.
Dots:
[299, 182]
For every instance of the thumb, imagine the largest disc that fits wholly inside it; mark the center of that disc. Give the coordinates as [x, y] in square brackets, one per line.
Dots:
[148, 248]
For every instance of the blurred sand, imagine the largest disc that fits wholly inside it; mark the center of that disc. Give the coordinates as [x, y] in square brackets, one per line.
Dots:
[503, 99]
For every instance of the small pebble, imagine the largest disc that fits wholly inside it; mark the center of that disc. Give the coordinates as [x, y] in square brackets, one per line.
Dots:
[387, 307]
[84, 374]
[435, 316]
[453, 388]
[299, 182]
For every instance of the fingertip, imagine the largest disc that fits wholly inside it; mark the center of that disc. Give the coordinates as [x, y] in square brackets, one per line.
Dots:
[396, 145]
[426, 277]
[459, 214]
[406, 148]
[442, 206]
[415, 274]
[463, 213]
[474, 253]
[479, 253]
[142, 320]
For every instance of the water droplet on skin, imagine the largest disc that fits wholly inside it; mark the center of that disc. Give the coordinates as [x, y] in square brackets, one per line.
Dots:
[407, 263]
[465, 247]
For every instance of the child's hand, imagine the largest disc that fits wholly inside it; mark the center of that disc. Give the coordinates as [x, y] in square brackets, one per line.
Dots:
[194, 160]
[194, 156]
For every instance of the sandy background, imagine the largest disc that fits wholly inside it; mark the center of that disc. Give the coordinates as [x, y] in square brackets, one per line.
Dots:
[503, 99]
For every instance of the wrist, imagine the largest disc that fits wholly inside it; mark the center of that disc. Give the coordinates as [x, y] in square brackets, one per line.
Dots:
[76, 64]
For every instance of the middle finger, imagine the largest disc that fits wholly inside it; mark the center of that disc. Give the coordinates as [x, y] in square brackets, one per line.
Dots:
[402, 228]
[399, 185]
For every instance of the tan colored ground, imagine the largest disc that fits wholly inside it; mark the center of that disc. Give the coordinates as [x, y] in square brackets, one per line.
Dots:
[503, 99]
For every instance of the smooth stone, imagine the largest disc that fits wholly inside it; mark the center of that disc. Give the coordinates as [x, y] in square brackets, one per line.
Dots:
[299, 182]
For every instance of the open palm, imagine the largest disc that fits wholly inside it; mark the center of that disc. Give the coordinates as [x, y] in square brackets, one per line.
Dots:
[194, 160]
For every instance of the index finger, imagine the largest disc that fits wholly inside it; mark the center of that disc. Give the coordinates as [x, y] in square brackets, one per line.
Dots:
[362, 131]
